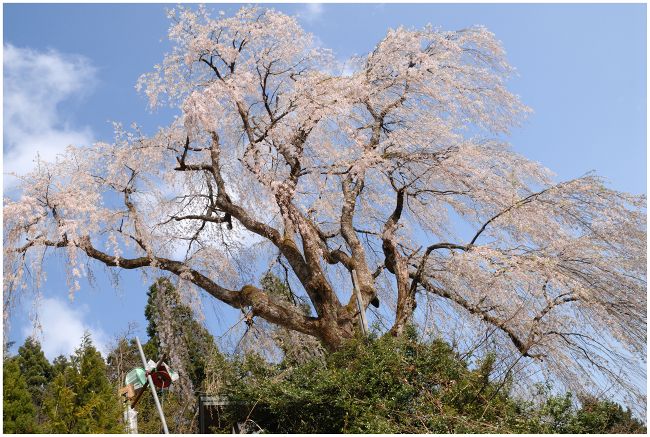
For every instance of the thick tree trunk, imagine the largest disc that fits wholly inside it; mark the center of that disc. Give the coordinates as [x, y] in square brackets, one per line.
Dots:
[335, 336]
[333, 333]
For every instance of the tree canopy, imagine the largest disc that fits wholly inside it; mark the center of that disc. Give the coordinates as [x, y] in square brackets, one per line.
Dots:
[34, 367]
[68, 396]
[277, 158]
[18, 411]
[80, 399]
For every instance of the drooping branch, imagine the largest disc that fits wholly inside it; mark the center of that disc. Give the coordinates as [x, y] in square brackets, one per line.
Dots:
[522, 345]
[515, 205]
[247, 297]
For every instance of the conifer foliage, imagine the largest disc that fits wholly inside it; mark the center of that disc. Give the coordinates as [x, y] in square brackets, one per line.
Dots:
[18, 411]
[172, 324]
[35, 368]
[69, 396]
[81, 399]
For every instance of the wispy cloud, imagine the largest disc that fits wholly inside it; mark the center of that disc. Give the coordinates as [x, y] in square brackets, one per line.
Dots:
[35, 84]
[311, 12]
[62, 326]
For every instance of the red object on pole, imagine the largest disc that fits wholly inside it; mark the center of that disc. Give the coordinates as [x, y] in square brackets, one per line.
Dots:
[161, 378]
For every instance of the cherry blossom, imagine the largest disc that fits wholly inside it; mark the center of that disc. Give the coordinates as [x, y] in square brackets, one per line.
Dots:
[277, 159]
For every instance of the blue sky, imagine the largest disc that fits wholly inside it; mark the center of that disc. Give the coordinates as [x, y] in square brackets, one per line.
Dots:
[581, 68]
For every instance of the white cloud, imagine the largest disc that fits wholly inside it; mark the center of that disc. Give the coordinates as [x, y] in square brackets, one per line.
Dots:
[62, 327]
[35, 84]
[311, 11]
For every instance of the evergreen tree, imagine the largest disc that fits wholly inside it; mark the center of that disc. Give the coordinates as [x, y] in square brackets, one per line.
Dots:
[81, 399]
[18, 410]
[59, 365]
[189, 334]
[605, 417]
[174, 331]
[96, 397]
[35, 368]
[59, 404]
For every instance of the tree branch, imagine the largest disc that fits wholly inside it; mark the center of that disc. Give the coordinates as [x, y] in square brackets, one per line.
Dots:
[522, 345]
[248, 296]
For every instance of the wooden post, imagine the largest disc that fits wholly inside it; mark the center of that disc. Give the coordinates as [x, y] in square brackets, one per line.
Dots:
[362, 311]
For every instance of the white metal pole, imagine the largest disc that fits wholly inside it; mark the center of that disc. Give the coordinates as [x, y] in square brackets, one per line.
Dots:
[127, 423]
[362, 311]
[153, 387]
[131, 419]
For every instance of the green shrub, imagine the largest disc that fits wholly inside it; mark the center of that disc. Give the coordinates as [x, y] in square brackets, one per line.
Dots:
[399, 385]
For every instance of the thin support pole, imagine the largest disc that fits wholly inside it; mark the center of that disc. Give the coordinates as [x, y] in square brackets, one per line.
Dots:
[153, 388]
[362, 311]
[131, 419]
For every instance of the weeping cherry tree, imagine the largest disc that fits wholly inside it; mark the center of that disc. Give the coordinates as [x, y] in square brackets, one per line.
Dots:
[394, 167]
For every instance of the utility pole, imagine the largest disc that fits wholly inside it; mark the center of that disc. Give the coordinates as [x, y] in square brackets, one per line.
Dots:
[153, 387]
[362, 312]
